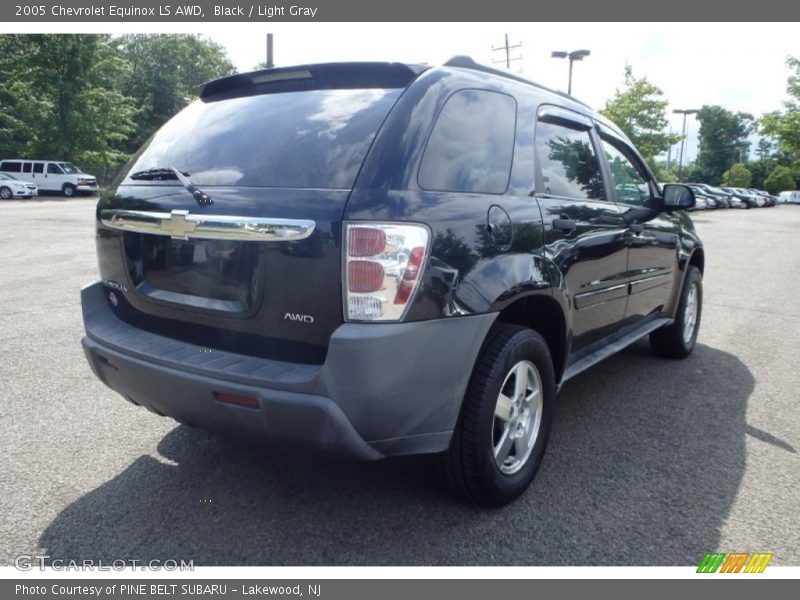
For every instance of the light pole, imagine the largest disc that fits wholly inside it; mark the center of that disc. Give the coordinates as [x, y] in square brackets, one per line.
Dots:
[684, 112]
[572, 56]
[270, 62]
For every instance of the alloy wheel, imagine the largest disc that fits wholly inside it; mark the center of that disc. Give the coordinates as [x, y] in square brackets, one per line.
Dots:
[517, 417]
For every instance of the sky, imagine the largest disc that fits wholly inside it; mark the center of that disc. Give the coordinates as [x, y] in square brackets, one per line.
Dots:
[739, 66]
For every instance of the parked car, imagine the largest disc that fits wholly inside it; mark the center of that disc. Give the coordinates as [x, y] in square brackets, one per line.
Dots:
[733, 199]
[706, 200]
[721, 199]
[11, 187]
[759, 200]
[790, 196]
[536, 243]
[51, 176]
[749, 200]
[704, 203]
[769, 199]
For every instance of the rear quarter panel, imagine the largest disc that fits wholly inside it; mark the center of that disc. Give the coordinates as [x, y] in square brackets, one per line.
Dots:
[467, 273]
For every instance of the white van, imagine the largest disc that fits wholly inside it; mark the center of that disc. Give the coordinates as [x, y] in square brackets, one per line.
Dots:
[51, 175]
[790, 196]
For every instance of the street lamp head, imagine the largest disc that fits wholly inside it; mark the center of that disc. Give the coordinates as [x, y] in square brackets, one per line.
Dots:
[685, 111]
[579, 54]
[558, 54]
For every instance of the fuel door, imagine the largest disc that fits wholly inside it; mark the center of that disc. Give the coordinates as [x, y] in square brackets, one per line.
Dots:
[498, 226]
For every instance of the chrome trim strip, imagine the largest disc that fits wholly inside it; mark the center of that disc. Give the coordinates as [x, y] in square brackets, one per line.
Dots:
[183, 225]
[650, 278]
[601, 291]
[586, 300]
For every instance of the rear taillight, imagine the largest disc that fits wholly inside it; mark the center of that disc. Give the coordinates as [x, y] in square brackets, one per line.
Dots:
[383, 269]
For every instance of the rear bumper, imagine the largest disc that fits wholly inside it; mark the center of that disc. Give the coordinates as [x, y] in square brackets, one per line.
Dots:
[384, 389]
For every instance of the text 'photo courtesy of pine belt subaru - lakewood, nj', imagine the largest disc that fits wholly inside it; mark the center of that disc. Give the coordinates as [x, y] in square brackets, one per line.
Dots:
[378, 259]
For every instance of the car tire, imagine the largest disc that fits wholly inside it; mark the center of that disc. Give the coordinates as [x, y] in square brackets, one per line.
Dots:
[513, 359]
[6, 193]
[68, 190]
[678, 339]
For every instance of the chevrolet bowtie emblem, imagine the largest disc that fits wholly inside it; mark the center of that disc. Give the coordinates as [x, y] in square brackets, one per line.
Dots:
[177, 226]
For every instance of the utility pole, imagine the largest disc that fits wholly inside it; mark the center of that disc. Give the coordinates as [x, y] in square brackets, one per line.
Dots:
[684, 112]
[270, 61]
[669, 151]
[507, 49]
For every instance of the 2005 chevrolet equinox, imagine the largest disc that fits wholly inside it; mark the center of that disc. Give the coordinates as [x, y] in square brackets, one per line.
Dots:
[376, 259]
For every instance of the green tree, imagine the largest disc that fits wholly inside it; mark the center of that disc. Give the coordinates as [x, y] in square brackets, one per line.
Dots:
[759, 169]
[785, 125]
[737, 176]
[779, 179]
[670, 176]
[67, 102]
[640, 110]
[16, 95]
[722, 141]
[691, 172]
[765, 149]
[164, 74]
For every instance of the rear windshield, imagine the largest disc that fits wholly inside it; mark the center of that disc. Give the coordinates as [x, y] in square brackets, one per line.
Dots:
[311, 139]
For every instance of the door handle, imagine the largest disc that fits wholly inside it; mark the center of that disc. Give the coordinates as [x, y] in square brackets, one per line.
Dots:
[636, 228]
[565, 225]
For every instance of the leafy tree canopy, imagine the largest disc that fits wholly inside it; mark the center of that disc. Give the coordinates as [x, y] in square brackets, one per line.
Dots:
[722, 141]
[95, 98]
[164, 74]
[640, 110]
[785, 125]
[737, 176]
[780, 179]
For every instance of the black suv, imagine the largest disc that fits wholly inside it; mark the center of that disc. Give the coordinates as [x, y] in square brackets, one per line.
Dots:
[377, 259]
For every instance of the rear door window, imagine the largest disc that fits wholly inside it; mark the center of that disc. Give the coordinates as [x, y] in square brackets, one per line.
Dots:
[309, 139]
[38, 167]
[567, 164]
[471, 146]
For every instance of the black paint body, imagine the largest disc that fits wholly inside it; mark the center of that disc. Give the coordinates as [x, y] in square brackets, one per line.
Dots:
[619, 265]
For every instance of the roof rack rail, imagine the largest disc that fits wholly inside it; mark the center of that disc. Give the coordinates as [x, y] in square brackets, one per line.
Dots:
[466, 62]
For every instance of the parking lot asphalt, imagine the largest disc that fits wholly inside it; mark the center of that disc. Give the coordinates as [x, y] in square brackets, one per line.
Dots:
[651, 461]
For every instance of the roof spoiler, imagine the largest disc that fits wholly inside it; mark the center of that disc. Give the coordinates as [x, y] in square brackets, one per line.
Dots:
[329, 76]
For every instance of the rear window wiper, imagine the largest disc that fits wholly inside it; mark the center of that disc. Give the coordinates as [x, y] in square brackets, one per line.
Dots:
[163, 173]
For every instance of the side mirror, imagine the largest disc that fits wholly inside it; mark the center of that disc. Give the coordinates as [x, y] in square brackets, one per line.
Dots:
[678, 197]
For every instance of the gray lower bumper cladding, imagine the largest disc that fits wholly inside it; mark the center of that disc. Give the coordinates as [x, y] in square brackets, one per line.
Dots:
[384, 389]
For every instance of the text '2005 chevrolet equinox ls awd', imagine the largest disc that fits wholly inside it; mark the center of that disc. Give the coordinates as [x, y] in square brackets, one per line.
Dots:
[376, 259]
